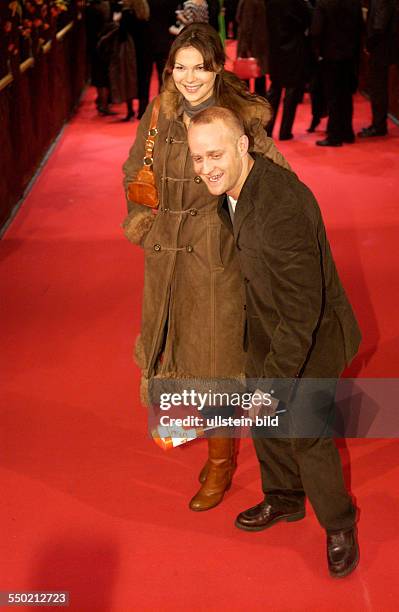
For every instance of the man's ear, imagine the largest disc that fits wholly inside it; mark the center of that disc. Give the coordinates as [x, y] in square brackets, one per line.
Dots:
[243, 145]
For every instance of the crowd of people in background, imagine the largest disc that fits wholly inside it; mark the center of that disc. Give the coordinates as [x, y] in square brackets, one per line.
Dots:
[312, 46]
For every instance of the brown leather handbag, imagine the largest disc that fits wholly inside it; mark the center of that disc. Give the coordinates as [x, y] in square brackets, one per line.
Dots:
[143, 189]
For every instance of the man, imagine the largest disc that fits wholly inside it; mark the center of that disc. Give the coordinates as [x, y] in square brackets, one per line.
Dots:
[336, 31]
[381, 44]
[287, 24]
[300, 325]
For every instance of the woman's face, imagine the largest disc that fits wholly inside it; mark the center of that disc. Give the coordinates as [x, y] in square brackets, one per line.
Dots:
[191, 78]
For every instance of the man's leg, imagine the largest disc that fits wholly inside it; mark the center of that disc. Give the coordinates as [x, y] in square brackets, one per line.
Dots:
[144, 70]
[260, 86]
[349, 85]
[281, 483]
[279, 471]
[333, 85]
[379, 73]
[291, 99]
[317, 97]
[336, 97]
[273, 97]
[296, 466]
[321, 474]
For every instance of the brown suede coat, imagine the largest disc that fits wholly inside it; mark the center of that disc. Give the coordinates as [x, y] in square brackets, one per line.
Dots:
[300, 322]
[193, 293]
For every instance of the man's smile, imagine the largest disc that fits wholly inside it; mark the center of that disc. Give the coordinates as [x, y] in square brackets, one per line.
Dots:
[214, 178]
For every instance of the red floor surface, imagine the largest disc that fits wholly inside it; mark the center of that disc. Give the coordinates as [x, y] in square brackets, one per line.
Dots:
[89, 503]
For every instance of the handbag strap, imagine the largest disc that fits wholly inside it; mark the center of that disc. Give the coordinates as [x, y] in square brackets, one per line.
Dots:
[152, 132]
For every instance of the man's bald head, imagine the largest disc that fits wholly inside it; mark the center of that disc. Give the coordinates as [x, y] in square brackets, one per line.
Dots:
[218, 113]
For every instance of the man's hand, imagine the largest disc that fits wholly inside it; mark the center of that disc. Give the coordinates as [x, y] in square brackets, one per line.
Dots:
[262, 405]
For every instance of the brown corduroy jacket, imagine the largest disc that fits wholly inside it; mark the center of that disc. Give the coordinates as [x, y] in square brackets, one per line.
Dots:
[299, 320]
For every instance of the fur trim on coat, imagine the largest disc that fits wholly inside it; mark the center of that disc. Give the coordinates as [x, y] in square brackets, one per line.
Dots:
[136, 226]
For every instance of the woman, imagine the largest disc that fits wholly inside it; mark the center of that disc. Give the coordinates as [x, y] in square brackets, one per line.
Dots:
[193, 312]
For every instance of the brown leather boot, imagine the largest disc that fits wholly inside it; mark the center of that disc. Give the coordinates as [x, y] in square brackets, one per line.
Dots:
[204, 472]
[205, 469]
[218, 478]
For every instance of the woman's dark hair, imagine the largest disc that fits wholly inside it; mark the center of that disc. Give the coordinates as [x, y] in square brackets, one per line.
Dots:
[229, 90]
[206, 40]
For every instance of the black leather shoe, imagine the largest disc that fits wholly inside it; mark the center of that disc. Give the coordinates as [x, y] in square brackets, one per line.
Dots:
[328, 143]
[349, 139]
[286, 136]
[342, 552]
[106, 111]
[371, 131]
[265, 515]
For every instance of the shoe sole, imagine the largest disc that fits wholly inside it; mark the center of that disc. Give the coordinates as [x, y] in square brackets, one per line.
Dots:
[349, 569]
[362, 135]
[288, 518]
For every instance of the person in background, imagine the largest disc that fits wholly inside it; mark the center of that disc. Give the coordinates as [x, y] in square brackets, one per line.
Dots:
[117, 50]
[316, 85]
[134, 24]
[336, 31]
[193, 314]
[214, 8]
[98, 17]
[193, 11]
[230, 7]
[252, 37]
[382, 45]
[152, 40]
[288, 22]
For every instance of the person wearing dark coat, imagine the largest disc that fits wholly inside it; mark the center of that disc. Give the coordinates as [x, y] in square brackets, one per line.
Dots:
[301, 330]
[252, 37]
[118, 46]
[287, 22]
[381, 44]
[213, 13]
[134, 25]
[98, 18]
[230, 8]
[336, 31]
[153, 42]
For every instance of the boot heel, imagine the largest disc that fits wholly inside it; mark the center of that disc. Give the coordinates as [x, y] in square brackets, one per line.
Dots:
[295, 517]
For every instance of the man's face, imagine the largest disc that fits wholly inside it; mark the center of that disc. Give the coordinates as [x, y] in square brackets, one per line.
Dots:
[217, 154]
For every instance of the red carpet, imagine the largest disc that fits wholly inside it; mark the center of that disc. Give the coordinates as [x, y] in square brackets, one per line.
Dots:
[89, 503]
